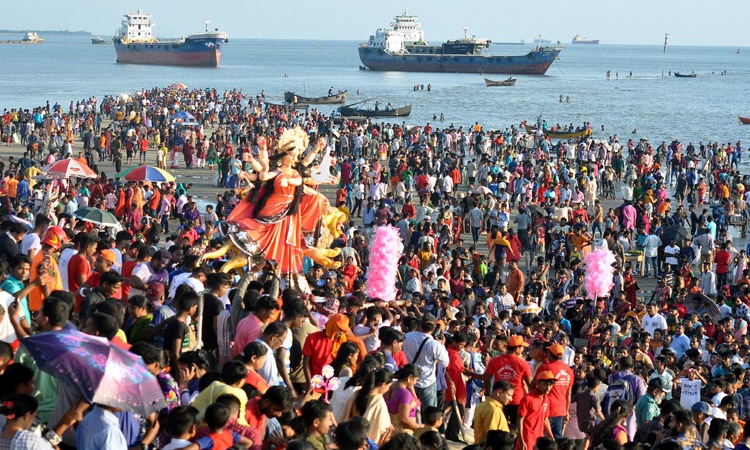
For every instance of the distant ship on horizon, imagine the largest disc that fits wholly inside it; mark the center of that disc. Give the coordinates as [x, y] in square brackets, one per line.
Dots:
[401, 47]
[135, 44]
[578, 39]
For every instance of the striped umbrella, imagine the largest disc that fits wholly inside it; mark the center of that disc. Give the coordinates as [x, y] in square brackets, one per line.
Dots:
[146, 173]
[69, 168]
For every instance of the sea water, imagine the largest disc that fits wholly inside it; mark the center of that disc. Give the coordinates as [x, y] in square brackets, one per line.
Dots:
[660, 108]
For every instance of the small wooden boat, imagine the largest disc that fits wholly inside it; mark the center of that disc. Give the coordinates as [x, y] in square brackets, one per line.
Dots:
[509, 82]
[561, 134]
[685, 75]
[351, 110]
[335, 99]
[290, 105]
[745, 120]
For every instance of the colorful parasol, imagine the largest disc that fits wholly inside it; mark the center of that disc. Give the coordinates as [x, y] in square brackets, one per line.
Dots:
[177, 86]
[182, 116]
[146, 173]
[102, 372]
[97, 216]
[69, 168]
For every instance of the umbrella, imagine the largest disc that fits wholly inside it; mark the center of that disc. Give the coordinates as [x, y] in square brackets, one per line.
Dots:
[183, 116]
[482, 190]
[538, 210]
[97, 216]
[177, 86]
[102, 372]
[17, 219]
[712, 309]
[674, 232]
[146, 173]
[69, 168]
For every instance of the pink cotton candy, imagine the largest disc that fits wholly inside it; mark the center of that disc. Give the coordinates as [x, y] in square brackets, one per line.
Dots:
[385, 251]
[599, 273]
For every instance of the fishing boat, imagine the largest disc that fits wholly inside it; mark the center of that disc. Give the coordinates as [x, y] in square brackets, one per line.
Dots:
[99, 41]
[353, 110]
[685, 75]
[290, 105]
[332, 99]
[745, 120]
[561, 134]
[30, 38]
[509, 82]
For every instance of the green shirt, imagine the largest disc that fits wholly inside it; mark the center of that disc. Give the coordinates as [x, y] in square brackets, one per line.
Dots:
[45, 385]
[317, 442]
[646, 409]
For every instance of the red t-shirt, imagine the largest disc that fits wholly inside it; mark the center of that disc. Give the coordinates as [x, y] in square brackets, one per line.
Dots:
[722, 259]
[534, 408]
[77, 266]
[94, 281]
[512, 369]
[400, 358]
[318, 348]
[127, 271]
[455, 371]
[558, 397]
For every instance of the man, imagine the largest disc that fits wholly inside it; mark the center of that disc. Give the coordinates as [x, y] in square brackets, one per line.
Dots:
[513, 368]
[10, 240]
[650, 251]
[653, 320]
[680, 342]
[559, 396]
[32, 242]
[533, 412]
[272, 338]
[45, 265]
[515, 280]
[647, 407]
[489, 415]
[250, 328]
[632, 384]
[476, 221]
[151, 269]
[425, 352]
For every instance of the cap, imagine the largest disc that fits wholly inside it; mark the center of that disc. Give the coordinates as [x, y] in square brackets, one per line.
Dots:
[331, 274]
[428, 319]
[342, 322]
[154, 291]
[108, 255]
[557, 350]
[656, 384]
[702, 407]
[517, 341]
[545, 375]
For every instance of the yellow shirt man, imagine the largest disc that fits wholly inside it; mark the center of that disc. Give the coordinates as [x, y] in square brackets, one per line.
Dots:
[489, 416]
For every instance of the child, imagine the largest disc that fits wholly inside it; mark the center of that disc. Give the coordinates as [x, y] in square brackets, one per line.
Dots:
[233, 425]
[588, 409]
[20, 268]
[318, 417]
[177, 333]
[217, 417]
[432, 419]
[233, 375]
[182, 424]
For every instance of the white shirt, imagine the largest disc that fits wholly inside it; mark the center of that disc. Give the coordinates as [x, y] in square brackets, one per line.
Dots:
[7, 333]
[649, 324]
[651, 244]
[30, 241]
[63, 263]
[671, 253]
[144, 273]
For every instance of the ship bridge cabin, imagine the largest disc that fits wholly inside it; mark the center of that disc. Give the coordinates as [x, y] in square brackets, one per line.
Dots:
[137, 27]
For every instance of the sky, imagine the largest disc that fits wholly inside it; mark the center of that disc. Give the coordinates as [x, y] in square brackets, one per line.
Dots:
[688, 22]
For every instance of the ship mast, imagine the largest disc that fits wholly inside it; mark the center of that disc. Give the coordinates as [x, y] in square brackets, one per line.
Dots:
[666, 38]
[206, 22]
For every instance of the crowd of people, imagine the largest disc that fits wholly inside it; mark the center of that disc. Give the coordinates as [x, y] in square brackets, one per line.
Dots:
[493, 340]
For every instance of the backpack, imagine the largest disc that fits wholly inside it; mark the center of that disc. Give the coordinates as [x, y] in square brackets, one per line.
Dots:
[619, 389]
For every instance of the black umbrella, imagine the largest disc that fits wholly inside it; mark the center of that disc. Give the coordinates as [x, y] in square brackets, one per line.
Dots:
[712, 309]
[538, 210]
[675, 232]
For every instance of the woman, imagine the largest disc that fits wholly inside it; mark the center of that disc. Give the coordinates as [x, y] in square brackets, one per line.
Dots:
[139, 311]
[155, 361]
[254, 357]
[20, 411]
[345, 363]
[16, 379]
[612, 428]
[631, 286]
[740, 264]
[193, 365]
[341, 400]
[370, 404]
[401, 401]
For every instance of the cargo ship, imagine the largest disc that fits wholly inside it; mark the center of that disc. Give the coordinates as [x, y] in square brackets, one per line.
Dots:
[578, 39]
[401, 47]
[135, 44]
[30, 38]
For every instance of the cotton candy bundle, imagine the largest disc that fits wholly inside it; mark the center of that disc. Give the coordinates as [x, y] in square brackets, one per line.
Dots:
[385, 251]
[599, 273]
